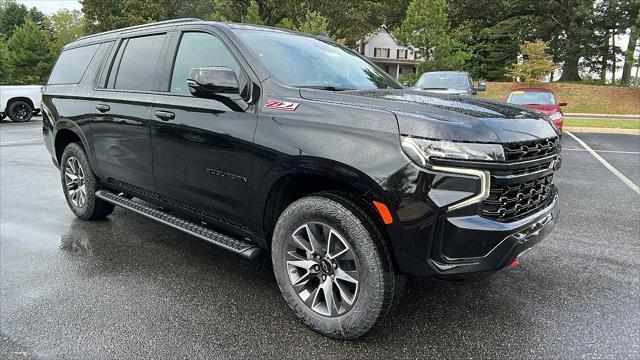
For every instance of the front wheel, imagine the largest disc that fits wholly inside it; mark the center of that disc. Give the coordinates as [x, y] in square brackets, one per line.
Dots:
[332, 266]
[20, 111]
[80, 185]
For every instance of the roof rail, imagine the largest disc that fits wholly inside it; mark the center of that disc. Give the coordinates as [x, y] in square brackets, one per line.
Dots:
[166, 22]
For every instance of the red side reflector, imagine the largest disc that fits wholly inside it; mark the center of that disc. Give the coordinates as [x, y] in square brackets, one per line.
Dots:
[384, 212]
[515, 262]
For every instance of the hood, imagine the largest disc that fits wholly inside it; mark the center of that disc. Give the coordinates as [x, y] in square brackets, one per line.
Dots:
[446, 116]
[547, 109]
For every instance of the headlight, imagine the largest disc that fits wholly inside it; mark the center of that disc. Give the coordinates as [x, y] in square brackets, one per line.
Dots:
[420, 151]
[555, 116]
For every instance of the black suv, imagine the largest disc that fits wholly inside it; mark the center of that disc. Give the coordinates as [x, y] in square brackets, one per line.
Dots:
[263, 140]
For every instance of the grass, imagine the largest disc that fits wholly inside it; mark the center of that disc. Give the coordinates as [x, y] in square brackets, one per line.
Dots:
[594, 99]
[603, 123]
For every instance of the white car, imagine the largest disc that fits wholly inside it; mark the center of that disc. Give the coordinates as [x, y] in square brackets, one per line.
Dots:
[20, 102]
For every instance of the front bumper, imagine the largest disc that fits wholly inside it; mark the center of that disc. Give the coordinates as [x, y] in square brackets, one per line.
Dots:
[488, 245]
[429, 238]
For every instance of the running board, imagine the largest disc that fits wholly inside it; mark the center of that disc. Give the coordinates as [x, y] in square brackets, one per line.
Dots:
[240, 247]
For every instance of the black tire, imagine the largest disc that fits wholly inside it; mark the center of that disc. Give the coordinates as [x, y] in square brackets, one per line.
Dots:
[379, 287]
[2, 116]
[86, 207]
[20, 111]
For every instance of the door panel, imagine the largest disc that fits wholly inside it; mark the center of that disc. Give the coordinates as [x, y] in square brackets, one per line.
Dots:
[203, 156]
[203, 150]
[122, 143]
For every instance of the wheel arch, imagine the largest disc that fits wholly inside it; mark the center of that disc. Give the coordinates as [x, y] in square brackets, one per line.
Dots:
[304, 176]
[20, 98]
[66, 133]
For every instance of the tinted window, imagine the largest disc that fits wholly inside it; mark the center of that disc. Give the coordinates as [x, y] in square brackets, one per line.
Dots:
[531, 98]
[443, 81]
[72, 64]
[199, 50]
[141, 58]
[304, 61]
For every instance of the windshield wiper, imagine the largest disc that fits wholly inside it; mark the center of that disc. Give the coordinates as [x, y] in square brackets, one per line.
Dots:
[325, 87]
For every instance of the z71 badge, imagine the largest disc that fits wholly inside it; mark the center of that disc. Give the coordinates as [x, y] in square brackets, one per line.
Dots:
[281, 105]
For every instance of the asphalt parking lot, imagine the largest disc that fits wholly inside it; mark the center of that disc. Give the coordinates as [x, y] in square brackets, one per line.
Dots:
[131, 288]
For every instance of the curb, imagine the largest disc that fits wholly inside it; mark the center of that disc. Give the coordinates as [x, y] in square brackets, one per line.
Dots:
[603, 130]
[601, 116]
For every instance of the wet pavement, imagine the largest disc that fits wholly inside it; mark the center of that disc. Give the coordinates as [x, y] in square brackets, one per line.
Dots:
[128, 287]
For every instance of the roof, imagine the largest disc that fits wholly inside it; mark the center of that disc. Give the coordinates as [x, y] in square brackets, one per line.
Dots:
[384, 28]
[447, 72]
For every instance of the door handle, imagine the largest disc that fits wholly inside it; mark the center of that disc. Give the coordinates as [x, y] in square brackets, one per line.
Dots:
[165, 115]
[103, 108]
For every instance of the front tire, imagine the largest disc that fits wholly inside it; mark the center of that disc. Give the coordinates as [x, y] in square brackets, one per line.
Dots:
[332, 266]
[80, 185]
[20, 111]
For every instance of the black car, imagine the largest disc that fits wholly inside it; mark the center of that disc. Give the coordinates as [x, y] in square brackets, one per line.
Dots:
[261, 140]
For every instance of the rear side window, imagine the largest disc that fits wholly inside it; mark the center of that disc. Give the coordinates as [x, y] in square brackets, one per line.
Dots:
[72, 64]
[139, 62]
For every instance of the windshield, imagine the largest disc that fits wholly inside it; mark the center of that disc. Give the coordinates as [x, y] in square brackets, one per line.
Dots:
[443, 81]
[302, 61]
[531, 98]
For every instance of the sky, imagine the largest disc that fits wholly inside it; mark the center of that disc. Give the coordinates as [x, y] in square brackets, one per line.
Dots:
[51, 6]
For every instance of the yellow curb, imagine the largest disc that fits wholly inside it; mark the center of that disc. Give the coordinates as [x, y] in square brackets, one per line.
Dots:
[603, 130]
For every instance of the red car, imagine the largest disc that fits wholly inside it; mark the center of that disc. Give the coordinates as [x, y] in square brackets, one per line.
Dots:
[543, 100]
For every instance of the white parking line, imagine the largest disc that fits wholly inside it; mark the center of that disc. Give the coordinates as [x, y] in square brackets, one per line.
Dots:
[18, 141]
[21, 130]
[606, 151]
[604, 162]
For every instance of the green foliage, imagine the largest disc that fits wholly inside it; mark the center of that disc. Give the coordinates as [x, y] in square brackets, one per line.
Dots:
[314, 24]
[286, 23]
[440, 50]
[5, 69]
[28, 54]
[64, 27]
[13, 15]
[253, 14]
[536, 63]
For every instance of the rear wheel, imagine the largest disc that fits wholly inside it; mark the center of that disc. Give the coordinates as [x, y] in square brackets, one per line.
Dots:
[20, 111]
[332, 267]
[80, 185]
[2, 116]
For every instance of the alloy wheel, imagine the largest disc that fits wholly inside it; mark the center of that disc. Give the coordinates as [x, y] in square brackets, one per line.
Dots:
[20, 112]
[75, 182]
[323, 269]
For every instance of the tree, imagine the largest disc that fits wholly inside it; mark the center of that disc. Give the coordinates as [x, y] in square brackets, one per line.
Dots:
[64, 27]
[253, 14]
[426, 28]
[536, 63]
[5, 69]
[632, 10]
[13, 15]
[314, 24]
[29, 56]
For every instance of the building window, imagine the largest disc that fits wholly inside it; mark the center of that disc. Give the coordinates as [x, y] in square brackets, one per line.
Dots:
[399, 70]
[381, 52]
[417, 55]
[414, 69]
[386, 68]
[402, 53]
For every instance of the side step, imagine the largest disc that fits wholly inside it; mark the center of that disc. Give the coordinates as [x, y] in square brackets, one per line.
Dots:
[240, 247]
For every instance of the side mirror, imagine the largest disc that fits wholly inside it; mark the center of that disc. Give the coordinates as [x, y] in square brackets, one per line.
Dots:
[482, 86]
[208, 82]
[562, 103]
[219, 83]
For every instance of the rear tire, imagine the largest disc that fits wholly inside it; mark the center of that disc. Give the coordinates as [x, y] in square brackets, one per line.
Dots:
[345, 283]
[2, 116]
[20, 111]
[79, 185]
